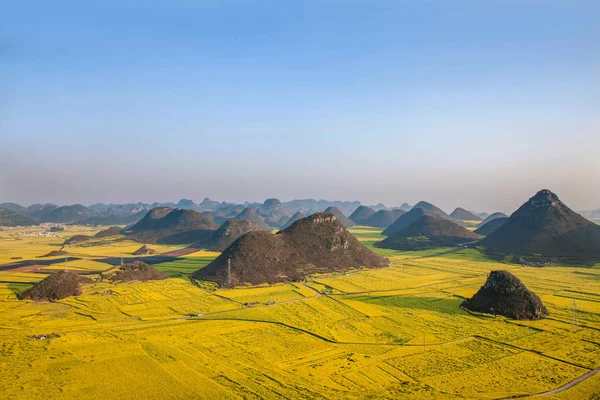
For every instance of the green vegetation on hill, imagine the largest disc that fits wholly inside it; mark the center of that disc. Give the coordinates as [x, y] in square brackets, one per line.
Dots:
[318, 243]
[135, 271]
[227, 233]
[492, 217]
[172, 226]
[490, 226]
[384, 218]
[464, 215]
[429, 231]
[545, 228]
[55, 287]
[406, 220]
[432, 209]
[13, 218]
[250, 214]
[361, 215]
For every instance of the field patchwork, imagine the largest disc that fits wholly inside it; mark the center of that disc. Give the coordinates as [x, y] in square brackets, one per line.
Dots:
[393, 332]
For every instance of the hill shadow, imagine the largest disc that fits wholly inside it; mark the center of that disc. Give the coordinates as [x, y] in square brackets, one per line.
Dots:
[150, 260]
[27, 263]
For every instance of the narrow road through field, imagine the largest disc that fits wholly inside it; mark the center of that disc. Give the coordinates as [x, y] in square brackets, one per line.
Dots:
[571, 384]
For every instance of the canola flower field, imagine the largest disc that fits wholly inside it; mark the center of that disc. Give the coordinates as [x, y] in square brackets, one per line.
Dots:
[394, 332]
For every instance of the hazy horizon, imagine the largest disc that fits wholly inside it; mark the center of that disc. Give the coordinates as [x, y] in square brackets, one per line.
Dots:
[462, 105]
[198, 201]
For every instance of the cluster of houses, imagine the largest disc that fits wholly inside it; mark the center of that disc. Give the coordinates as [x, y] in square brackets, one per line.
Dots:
[37, 233]
[47, 229]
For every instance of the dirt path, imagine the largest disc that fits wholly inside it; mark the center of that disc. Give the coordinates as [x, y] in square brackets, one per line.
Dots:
[571, 384]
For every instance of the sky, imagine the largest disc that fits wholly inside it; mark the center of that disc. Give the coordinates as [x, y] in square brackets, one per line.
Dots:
[477, 104]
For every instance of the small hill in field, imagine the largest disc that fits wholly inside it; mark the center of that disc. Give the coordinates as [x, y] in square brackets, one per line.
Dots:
[345, 221]
[14, 218]
[136, 271]
[57, 253]
[490, 226]
[250, 214]
[55, 287]
[544, 228]
[172, 226]
[318, 243]
[405, 220]
[227, 233]
[492, 217]
[112, 231]
[384, 218]
[504, 294]
[144, 251]
[428, 232]
[464, 215]
[361, 215]
[76, 239]
[432, 209]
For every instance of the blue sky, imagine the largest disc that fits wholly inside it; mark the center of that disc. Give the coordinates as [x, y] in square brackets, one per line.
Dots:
[463, 103]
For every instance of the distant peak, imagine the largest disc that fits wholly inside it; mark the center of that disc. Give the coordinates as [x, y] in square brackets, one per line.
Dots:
[272, 202]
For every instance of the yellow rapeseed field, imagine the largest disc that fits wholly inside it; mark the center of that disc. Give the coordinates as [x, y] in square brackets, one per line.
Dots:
[394, 332]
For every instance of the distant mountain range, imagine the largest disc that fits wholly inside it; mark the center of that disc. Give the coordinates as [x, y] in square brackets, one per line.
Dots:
[272, 212]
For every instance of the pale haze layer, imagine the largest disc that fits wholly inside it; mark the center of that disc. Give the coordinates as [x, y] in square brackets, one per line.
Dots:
[470, 104]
